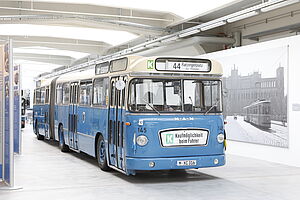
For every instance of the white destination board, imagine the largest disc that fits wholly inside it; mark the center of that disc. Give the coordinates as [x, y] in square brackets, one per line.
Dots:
[189, 137]
[183, 66]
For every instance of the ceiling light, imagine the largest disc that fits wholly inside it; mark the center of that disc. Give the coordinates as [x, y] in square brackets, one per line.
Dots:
[214, 25]
[189, 33]
[154, 44]
[139, 48]
[278, 5]
[170, 39]
[244, 16]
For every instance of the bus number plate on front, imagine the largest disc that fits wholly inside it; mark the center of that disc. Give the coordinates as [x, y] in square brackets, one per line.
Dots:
[186, 162]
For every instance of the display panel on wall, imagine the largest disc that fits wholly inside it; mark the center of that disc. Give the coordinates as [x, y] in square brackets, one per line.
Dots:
[255, 95]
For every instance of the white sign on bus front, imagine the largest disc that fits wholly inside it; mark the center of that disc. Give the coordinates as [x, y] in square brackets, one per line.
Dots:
[184, 138]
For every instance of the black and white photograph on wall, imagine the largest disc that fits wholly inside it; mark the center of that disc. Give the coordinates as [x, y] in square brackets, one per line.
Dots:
[255, 96]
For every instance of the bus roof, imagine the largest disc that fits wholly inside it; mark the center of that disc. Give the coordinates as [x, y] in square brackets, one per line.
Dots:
[150, 65]
[78, 75]
[143, 65]
[46, 82]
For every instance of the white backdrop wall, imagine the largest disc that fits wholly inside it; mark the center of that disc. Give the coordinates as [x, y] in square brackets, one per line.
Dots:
[290, 155]
[27, 83]
[1, 106]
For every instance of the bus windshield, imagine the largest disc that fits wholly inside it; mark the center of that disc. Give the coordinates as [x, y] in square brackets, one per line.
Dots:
[161, 95]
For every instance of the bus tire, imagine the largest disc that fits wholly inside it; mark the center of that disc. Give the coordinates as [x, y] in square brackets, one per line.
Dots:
[101, 154]
[38, 135]
[34, 127]
[62, 145]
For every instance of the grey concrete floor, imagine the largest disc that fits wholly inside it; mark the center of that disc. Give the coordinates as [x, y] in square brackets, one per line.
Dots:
[48, 174]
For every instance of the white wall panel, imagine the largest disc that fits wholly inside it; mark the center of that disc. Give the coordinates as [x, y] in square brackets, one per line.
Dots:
[290, 155]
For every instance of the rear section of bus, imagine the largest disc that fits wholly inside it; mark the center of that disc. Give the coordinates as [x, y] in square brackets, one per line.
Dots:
[174, 122]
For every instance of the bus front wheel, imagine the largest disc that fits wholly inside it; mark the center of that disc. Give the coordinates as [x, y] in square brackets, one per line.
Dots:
[62, 145]
[101, 154]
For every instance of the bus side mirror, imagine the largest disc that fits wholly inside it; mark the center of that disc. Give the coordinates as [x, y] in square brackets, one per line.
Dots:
[120, 85]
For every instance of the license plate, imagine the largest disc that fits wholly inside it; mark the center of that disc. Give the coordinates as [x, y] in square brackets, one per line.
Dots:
[186, 162]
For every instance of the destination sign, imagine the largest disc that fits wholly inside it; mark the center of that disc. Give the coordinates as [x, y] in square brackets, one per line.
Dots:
[185, 66]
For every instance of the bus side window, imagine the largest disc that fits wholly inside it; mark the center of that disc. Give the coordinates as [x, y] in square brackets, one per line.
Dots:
[112, 97]
[59, 94]
[105, 94]
[100, 92]
[89, 88]
[123, 95]
[38, 96]
[76, 90]
[42, 101]
[85, 92]
[34, 102]
[47, 96]
[66, 93]
[82, 93]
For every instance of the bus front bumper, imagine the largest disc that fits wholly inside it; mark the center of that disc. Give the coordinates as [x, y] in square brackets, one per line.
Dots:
[175, 162]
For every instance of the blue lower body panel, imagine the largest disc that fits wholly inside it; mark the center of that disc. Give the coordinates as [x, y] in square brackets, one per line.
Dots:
[171, 163]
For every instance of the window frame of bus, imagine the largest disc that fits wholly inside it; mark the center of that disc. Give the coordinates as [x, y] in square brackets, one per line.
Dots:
[34, 97]
[73, 98]
[47, 95]
[37, 100]
[101, 65]
[43, 90]
[38, 84]
[63, 94]
[115, 61]
[183, 60]
[182, 97]
[59, 87]
[97, 104]
[79, 94]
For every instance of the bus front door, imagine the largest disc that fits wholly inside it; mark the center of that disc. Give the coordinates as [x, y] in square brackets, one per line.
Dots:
[116, 122]
[73, 106]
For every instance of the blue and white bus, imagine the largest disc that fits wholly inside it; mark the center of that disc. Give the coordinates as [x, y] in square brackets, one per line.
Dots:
[137, 113]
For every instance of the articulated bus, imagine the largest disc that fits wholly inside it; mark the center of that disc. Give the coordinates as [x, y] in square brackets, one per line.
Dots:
[137, 113]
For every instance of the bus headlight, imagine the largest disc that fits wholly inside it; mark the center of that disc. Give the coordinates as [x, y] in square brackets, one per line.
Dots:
[142, 140]
[221, 138]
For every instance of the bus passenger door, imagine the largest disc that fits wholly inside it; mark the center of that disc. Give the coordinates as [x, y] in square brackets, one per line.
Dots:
[73, 138]
[116, 122]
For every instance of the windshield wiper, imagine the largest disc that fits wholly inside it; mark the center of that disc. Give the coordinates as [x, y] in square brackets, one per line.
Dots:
[212, 107]
[154, 109]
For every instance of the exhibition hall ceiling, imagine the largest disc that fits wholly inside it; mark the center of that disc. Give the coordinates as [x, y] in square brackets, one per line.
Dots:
[59, 32]
[72, 29]
[184, 10]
